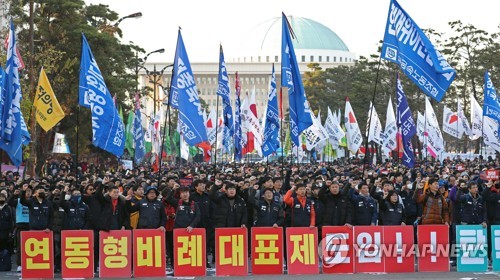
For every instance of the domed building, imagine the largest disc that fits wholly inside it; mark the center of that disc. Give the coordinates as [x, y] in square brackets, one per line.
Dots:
[260, 48]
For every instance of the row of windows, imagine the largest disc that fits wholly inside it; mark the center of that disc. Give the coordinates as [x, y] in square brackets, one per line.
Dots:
[213, 91]
[303, 59]
[320, 59]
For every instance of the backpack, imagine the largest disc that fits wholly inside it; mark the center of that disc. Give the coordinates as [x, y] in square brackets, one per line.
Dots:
[5, 260]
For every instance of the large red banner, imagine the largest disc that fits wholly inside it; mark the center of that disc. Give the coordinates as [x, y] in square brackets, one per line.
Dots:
[399, 249]
[368, 249]
[302, 248]
[115, 253]
[433, 248]
[231, 252]
[149, 253]
[77, 253]
[267, 250]
[37, 256]
[189, 252]
[337, 249]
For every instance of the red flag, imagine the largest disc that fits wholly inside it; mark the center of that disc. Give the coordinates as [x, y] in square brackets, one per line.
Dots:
[207, 150]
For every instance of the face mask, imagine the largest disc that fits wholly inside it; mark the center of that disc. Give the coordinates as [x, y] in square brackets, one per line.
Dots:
[76, 199]
[41, 195]
[409, 186]
[67, 197]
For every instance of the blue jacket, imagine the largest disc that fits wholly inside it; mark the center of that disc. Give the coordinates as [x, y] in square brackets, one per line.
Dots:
[365, 209]
[472, 213]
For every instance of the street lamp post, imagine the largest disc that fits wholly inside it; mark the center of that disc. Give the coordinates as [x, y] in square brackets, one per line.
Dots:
[140, 65]
[134, 15]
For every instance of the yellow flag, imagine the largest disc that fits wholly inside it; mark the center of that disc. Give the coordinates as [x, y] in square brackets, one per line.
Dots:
[48, 110]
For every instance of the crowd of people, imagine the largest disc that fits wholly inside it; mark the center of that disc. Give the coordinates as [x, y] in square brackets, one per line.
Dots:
[340, 193]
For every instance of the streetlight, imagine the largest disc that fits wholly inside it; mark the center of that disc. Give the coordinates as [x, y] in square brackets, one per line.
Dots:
[140, 64]
[157, 75]
[134, 15]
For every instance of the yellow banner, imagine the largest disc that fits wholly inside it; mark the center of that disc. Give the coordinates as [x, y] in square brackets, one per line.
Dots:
[48, 110]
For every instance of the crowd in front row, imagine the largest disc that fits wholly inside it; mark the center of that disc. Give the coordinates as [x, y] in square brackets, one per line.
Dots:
[246, 196]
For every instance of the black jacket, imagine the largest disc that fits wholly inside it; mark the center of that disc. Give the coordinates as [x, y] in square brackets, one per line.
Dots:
[203, 202]
[472, 212]
[492, 206]
[268, 213]
[391, 214]
[151, 213]
[6, 221]
[41, 214]
[226, 215]
[77, 215]
[108, 218]
[364, 209]
[187, 214]
[337, 210]
[94, 207]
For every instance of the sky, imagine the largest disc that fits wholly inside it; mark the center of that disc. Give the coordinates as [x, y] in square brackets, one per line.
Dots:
[207, 23]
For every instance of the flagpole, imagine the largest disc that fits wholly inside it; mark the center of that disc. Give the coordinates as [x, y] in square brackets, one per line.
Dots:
[167, 114]
[371, 112]
[281, 136]
[216, 129]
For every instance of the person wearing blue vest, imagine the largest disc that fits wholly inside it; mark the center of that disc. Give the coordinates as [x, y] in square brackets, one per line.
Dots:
[22, 218]
[302, 207]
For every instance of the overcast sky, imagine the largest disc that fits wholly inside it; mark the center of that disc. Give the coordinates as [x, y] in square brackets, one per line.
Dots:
[206, 23]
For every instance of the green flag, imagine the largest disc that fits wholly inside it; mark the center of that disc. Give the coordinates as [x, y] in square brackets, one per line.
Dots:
[176, 139]
[343, 141]
[129, 136]
[288, 142]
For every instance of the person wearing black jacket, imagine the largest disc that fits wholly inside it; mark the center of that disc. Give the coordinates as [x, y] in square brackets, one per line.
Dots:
[114, 214]
[391, 211]
[21, 218]
[77, 212]
[200, 196]
[6, 223]
[337, 209]
[269, 212]
[40, 209]
[151, 211]
[230, 210]
[491, 195]
[473, 210]
[187, 213]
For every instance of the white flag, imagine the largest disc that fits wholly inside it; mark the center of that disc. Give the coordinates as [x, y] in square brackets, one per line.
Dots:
[435, 142]
[334, 130]
[184, 147]
[314, 134]
[420, 127]
[254, 124]
[389, 143]
[210, 124]
[375, 133]
[463, 120]
[476, 115]
[354, 137]
[60, 144]
[450, 123]
[490, 134]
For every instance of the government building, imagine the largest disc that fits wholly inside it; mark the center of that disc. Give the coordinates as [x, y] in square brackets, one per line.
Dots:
[313, 43]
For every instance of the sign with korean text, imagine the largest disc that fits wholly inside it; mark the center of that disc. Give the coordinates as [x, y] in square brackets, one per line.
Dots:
[302, 248]
[37, 256]
[231, 247]
[267, 250]
[115, 253]
[77, 253]
[399, 249]
[190, 252]
[472, 243]
[337, 249]
[495, 247]
[149, 253]
[492, 174]
[433, 248]
[368, 249]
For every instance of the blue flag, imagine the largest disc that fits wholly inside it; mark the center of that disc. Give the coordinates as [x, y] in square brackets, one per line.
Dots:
[406, 124]
[224, 92]
[491, 103]
[407, 45]
[138, 134]
[185, 98]
[107, 126]
[239, 142]
[271, 142]
[300, 114]
[13, 131]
